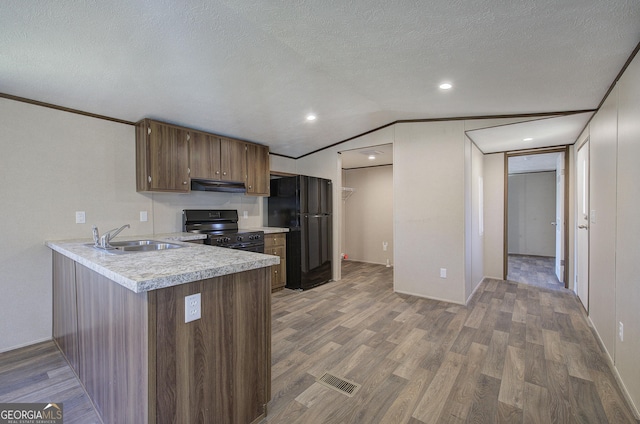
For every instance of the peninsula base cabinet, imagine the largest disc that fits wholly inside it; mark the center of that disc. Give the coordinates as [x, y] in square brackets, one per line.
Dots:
[276, 244]
[139, 361]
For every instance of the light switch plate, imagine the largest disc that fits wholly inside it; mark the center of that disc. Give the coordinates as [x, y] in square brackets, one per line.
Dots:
[143, 216]
[80, 217]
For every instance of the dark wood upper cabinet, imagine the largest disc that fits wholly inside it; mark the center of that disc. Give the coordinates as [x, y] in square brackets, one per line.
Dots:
[257, 170]
[162, 157]
[169, 156]
[205, 156]
[233, 160]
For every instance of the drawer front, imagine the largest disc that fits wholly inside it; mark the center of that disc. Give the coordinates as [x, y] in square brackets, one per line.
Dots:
[275, 250]
[272, 240]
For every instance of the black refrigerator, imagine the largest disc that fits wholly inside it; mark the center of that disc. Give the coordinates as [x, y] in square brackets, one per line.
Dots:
[303, 204]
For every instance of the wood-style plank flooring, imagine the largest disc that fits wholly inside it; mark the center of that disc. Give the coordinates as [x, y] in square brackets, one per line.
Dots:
[39, 373]
[533, 270]
[515, 354]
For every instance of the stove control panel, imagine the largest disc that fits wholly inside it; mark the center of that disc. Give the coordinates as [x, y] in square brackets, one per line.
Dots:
[233, 239]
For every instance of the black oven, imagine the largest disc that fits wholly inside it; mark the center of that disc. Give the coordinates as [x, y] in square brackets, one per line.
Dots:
[221, 228]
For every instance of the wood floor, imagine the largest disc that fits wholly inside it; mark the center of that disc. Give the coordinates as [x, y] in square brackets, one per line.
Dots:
[39, 373]
[533, 270]
[515, 354]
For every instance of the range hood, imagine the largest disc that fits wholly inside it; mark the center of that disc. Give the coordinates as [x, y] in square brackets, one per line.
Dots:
[213, 185]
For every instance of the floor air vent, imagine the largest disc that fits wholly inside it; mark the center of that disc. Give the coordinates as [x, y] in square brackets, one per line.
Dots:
[346, 387]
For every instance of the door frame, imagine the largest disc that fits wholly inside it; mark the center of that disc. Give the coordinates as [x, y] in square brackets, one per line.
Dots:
[584, 299]
[505, 245]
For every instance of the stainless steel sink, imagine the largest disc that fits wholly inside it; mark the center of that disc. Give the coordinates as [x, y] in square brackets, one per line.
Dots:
[133, 243]
[148, 247]
[131, 246]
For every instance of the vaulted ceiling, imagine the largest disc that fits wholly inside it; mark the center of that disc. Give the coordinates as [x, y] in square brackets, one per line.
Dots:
[254, 69]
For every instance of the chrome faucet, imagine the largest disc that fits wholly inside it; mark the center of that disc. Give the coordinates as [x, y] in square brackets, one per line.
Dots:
[103, 242]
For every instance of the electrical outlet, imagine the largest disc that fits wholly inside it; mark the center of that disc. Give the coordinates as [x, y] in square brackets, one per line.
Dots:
[143, 216]
[80, 217]
[384, 246]
[621, 331]
[443, 272]
[192, 307]
[245, 214]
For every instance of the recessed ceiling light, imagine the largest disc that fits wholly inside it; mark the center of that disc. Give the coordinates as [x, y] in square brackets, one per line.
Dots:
[311, 117]
[445, 86]
[372, 157]
[527, 139]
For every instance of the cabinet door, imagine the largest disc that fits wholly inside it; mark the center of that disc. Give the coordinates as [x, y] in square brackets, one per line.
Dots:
[204, 156]
[257, 170]
[168, 158]
[277, 271]
[233, 160]
[275, 244]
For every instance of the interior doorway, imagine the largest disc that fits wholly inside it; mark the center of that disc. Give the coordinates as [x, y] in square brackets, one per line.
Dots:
[367, 205]
[535, 217]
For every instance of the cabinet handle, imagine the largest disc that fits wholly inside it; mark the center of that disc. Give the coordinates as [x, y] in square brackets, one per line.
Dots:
[217, 172]
[184, 183]
[148, 130]
[250, 187]
[149, 178]
[224, 173]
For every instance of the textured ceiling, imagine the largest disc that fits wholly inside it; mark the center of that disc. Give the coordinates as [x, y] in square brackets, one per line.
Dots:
[359, 158]
[545, 132]
[533, 163]
[253, 69]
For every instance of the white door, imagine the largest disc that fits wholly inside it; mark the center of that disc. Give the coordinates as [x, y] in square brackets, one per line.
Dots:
[582, 225]
[559, 222]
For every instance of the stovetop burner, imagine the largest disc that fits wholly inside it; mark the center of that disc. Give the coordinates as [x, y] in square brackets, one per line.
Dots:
[221, 227]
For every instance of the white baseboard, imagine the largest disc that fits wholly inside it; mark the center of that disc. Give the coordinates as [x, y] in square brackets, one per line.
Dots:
[614, 371]
[428, 297]
[25, 344]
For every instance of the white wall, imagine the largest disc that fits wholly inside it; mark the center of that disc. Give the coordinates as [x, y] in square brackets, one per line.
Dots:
[493, 172]
[282, 164]
[602, 232]
[429, 218]
[614, 228]
[368, 214]
[627, 272]
[54, 163]
[532, 208]
[424, 183]
[476, 249]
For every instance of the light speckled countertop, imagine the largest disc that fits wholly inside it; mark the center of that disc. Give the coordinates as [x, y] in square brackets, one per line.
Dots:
[144, 271]
[270, 230]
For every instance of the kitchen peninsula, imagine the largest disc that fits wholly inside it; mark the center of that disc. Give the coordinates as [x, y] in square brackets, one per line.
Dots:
[119, 319]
